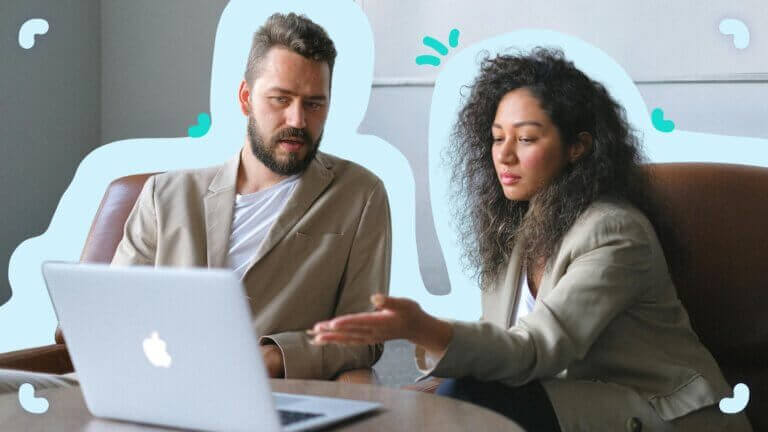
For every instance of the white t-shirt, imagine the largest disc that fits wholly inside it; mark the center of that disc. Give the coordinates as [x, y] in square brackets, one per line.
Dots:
[526, 301]
[524, 308]
[252, 219]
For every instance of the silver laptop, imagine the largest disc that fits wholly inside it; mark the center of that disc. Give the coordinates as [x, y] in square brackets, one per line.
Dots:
[175, 347]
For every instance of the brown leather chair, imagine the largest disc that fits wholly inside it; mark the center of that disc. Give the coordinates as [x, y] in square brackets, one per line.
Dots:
[720, 217]
[106, 232]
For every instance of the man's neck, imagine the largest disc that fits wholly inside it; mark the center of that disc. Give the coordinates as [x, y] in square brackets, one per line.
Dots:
[253, 175]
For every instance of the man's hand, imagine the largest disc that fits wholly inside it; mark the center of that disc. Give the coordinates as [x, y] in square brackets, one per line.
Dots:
[273, 360]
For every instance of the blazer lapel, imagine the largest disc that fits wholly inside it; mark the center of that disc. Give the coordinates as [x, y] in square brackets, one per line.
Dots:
[312, 183]
[219, 207]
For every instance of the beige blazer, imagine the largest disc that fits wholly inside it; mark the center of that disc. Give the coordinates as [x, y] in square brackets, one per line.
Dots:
[326, 254]
[607, 336]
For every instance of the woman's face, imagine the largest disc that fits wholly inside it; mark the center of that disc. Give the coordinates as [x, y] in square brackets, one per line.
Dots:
[527, 152]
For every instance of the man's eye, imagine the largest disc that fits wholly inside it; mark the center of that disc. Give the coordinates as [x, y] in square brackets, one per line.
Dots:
[280, 99]
[314, 106]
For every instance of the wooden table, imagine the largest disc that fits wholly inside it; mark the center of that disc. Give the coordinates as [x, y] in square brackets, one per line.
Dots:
[402, 410]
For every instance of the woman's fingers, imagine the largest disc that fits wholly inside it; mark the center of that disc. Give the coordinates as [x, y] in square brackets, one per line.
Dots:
[390, 321]
[367, 319]
[382, 301]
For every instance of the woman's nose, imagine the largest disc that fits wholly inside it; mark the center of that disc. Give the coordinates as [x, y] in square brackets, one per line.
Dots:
[507, 152]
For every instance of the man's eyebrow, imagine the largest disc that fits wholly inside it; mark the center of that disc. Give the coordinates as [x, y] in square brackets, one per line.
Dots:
[289, 92]
[521, 123]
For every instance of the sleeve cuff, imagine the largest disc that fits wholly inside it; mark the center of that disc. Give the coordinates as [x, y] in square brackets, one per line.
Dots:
[439, 366]
[301, 360]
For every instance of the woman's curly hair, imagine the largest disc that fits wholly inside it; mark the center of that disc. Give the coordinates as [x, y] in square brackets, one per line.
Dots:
[489, 223]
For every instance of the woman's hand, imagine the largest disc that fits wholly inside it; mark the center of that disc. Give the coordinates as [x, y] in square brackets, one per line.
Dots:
[394, 318]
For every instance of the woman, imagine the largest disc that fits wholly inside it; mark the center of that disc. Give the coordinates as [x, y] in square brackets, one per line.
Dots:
[582, 329]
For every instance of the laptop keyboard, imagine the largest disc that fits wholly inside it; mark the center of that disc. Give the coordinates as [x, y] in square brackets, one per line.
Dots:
[290, 417]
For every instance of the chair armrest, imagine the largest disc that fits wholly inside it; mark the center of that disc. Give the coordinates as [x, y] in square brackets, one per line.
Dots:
[358, 376]
[47, 359]
[426, 386]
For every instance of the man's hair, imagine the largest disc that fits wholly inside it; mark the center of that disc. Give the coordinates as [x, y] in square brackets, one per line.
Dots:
[489, 223]
[294, 32]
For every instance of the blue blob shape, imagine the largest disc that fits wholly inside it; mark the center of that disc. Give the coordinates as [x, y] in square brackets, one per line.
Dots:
[435, 45]
[29, 312]
[738, 402]
[30, 403]
[202, 126]
[737, 29]
[427, 60]
[661, 124]
[453, 38]
[30, 29]
[464, 300]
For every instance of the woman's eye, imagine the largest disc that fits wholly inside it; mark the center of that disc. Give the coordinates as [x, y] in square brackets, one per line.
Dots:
[527, 139]
[497, 140]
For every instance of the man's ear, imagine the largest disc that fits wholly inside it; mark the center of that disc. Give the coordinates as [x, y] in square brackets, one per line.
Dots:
[582, 147]
[244, 97]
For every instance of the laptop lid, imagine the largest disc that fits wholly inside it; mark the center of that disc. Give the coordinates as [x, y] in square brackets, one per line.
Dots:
[163, 345]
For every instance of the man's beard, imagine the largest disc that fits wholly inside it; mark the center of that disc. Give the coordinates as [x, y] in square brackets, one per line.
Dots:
[266, 152]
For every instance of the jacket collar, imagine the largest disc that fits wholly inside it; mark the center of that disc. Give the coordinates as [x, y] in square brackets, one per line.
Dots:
[219, 208]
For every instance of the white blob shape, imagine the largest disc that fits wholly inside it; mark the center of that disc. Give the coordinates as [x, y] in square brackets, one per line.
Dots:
[30, 403]
[738, 402]
[30, 29]
[739, 31]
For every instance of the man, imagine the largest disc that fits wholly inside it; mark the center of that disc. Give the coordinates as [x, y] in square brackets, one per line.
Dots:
[308, 233]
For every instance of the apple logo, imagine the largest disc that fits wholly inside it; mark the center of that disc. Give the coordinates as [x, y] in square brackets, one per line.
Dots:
[154, 349]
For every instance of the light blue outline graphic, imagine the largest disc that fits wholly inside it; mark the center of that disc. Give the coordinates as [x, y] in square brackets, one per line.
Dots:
[464, 300]
[29, 312]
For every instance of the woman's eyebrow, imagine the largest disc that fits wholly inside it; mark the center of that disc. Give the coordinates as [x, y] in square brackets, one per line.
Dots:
[520, 123]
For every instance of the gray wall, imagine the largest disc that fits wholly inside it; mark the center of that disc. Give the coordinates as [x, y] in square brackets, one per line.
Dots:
[156, 65]
[155, 80]
[115, 69]
[49, 112]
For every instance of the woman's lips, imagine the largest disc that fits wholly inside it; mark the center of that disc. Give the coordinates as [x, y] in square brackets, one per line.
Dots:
[509, 179]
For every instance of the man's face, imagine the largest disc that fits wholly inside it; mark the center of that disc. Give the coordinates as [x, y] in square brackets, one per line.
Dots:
[286, 105]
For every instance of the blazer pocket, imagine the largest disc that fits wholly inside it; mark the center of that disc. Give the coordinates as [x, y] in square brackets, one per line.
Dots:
[322, 235]
[695, 394]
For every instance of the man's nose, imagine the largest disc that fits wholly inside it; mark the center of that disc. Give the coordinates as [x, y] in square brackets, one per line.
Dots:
[295, 116]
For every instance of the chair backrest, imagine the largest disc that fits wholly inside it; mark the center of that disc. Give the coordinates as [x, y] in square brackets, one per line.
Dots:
[107, 227]
[720, 215]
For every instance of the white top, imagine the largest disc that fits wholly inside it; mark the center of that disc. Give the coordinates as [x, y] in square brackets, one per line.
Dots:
[253, 216]
[525, 306]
